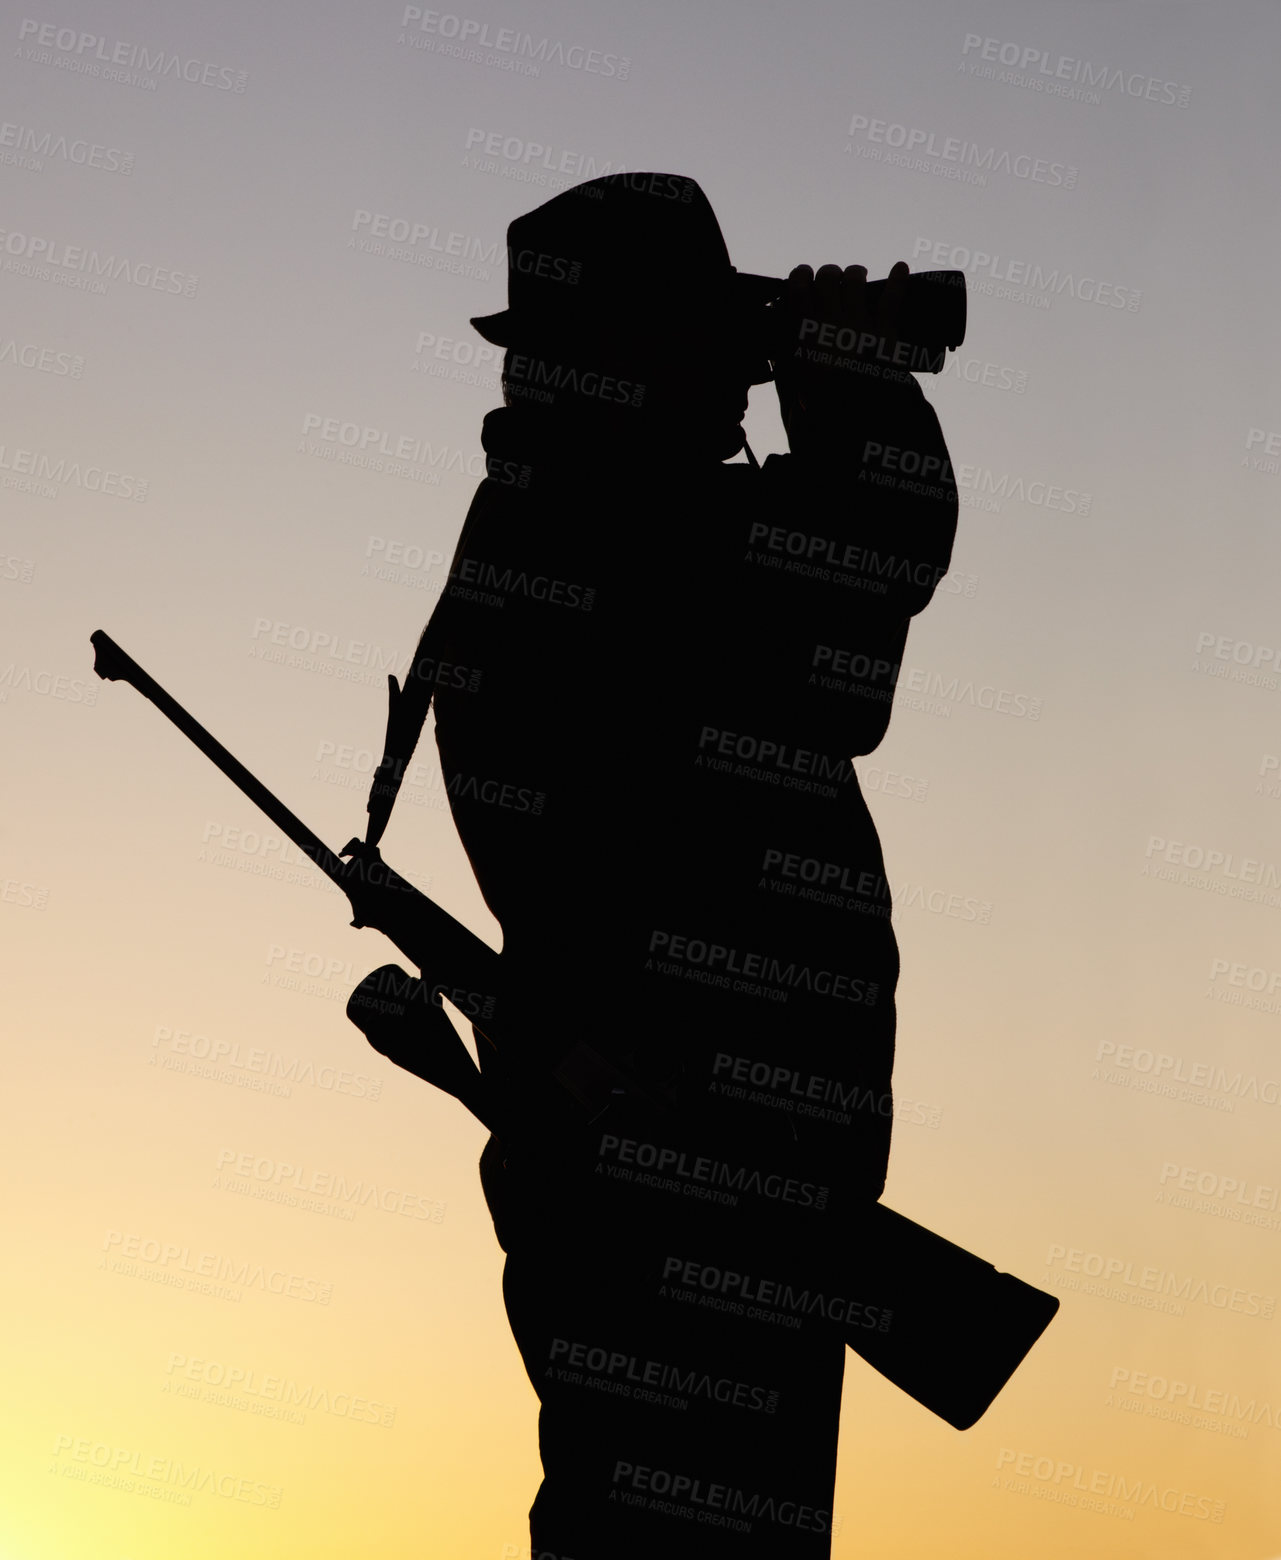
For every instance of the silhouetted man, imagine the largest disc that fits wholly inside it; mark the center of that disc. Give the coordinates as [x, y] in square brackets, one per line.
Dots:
[652, 780]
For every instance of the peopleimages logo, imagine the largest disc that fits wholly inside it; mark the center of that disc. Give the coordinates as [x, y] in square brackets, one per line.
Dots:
[706, 1501]
[756, 1082]
[37, 467]
[254, 1067]
[354, 660]
[766, 1299]
[774, 762]
[1267, 461]
[697, 1176]
[707, 955]
[1253, 977]
[44, 360]
[27, 147]
[535, 379]
[978, 371]
[115, 1463]
[1247, 986]
[266, 1394]
[918, 680]
[631, 1375]
[1242, 659]
[56, 685]
[1224, 1189]
[964, 154]
[279, 1173]
[409, 238]
[1050, 73]
[983, 482]
[90, 54]
[1156, 1072]
[72, 265]
[402, 447]
[209, 1266]
[1220, 871]
[1158, 1281]
[1183, 1395]
[1035, 280]
[538, 157]
[27, 895]
[1099, 1482]
[489, 584]
[471, 36]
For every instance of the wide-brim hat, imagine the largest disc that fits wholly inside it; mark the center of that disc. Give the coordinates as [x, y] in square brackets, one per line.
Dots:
[631, 257]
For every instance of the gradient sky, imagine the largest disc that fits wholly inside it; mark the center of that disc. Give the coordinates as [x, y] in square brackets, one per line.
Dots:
[1116, 566]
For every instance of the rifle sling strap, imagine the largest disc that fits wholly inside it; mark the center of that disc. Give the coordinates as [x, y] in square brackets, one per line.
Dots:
[407, 707]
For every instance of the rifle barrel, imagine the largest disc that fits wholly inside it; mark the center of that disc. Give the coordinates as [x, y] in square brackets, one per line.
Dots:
[111, 662]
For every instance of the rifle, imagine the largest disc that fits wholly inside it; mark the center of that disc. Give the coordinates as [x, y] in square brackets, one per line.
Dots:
[959, 1328]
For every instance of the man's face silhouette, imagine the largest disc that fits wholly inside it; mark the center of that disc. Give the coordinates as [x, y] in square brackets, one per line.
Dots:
[699, 376]
[687, 390]
[699, 405]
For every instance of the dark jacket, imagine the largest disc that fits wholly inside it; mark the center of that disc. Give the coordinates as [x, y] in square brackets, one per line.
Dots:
[663, 672]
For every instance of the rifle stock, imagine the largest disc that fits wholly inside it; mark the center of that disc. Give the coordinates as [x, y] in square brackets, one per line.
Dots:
[955, 1328]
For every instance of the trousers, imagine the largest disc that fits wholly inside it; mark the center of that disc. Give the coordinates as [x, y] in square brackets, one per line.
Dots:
[667, 1426]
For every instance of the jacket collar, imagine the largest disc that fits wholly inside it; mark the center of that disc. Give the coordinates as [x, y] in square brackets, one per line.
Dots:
[539, 437]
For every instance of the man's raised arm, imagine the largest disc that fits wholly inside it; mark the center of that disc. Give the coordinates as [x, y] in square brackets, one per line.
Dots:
[856, 525]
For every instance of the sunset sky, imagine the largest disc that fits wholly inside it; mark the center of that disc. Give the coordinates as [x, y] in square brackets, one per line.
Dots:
[303, 205]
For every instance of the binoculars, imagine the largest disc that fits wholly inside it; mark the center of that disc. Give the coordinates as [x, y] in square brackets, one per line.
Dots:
[930, 322]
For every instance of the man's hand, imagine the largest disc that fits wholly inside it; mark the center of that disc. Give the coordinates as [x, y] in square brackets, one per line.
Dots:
[835, 352]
